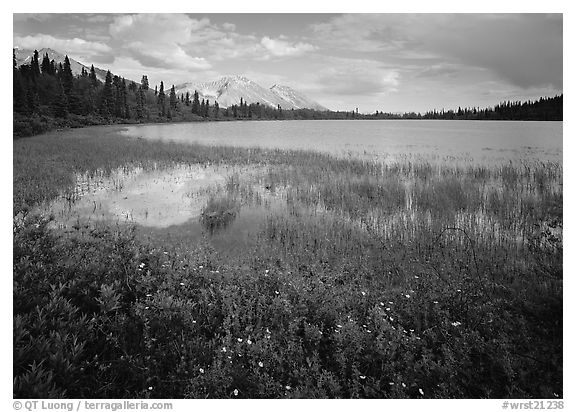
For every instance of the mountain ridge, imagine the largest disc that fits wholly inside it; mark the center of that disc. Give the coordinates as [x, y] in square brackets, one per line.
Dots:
[227, 90]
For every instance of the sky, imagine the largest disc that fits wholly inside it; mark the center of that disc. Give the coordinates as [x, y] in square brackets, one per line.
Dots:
[385, 62]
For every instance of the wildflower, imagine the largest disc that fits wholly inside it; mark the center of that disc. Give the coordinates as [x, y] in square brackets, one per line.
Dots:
[403, 385]
[456, 323]
[193, 321]
[142, 265]
[362, 377]
[435, 302]
[249, 342]
[148, 295]
[276, 292]
[288, 387]
[391, 303]
[200, 267]
[363, 293]
[411, 330]
[381, 303]
[391, 319]
[147, 307]
[407, 296]
[266, 271]
[338, 326]
[224, 349]
[416, 277]
[267, 330]
[421, 391]
[181, 283]
[235, 392]
[260, 364]
[201, 370]
[150, 388]
[391, 383]
[388, 309]
[240, 340]
[458, 290]
[165, 253]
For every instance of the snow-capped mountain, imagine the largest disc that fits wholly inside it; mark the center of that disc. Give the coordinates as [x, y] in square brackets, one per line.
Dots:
[297, 99]
[24, 56]
[228, 90]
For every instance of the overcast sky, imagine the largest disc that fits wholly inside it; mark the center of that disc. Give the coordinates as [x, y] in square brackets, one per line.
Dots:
[390, 62]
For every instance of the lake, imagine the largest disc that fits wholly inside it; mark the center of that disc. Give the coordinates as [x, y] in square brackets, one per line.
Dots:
[383, 140]
[170, 204]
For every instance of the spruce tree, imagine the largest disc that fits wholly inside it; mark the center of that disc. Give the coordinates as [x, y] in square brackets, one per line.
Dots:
[60, 103]
[144, 83]
[67, 77]
[216, 109]
[107, 97]
[196, 103]
[173, 98]
[161, 101]
[92, 77]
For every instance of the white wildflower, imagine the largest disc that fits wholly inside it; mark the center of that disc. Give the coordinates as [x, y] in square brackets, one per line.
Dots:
[235, 392]
[456, 323]
[201, 370]
[240, 340]
[421, 391]
[260, 364]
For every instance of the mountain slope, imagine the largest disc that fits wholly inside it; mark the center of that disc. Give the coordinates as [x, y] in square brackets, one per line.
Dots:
[24, 56]
[296, 99]
[228, 90]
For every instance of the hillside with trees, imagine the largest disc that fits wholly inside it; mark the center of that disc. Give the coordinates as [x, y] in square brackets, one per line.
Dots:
[47, 95]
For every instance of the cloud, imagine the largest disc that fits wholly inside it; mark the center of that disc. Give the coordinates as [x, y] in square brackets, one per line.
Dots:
[358, 77]
[73, 46]
[158, 40]
[282, 48]
[526, 50]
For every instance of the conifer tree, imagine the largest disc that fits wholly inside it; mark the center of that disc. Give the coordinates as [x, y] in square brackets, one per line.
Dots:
[173, 98]
[161, 101]
[92, 77]
[107, 98]
[144, 82]
[60, 103]
[207, 108]
[45, 66]
[187, 100]
[216, 109]
[196, 103]
[67, 77]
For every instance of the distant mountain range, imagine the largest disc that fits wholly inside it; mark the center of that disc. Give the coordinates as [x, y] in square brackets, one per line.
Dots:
[227, 91]
[24, 56]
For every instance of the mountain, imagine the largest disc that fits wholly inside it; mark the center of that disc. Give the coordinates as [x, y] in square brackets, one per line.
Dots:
[296, 99]
[24, 56]
[228, 90]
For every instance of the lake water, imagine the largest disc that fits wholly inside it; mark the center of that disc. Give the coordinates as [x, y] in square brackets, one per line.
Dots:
[168, 205]
[386, 140]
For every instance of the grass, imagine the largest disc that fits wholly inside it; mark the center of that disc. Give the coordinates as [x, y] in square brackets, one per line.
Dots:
[403, 280]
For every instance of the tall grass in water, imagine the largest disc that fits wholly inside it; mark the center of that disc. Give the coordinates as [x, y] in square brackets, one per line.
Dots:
[406, 280]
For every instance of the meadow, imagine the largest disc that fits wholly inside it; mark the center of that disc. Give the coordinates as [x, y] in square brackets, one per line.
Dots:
[409, 279]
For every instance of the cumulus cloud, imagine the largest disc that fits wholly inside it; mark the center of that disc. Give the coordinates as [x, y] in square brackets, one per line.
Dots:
[75, 45]
[282, 48]
[158, 40]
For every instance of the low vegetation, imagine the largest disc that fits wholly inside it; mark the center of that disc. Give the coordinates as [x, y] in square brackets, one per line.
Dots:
[402, 280]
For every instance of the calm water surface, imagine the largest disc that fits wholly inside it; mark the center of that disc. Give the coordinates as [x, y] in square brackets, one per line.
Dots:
[479, 141]
[167, 205]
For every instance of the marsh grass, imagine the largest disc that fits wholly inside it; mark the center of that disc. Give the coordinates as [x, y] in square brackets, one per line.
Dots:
[407, 279]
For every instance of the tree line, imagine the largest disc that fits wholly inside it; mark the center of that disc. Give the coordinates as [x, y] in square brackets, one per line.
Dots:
[47, 95]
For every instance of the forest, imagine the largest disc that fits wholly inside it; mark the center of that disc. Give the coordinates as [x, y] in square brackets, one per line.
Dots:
[47, 95]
